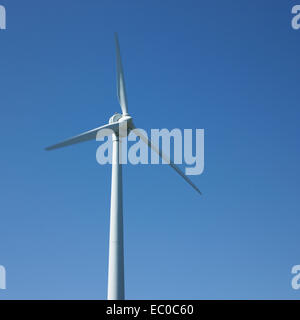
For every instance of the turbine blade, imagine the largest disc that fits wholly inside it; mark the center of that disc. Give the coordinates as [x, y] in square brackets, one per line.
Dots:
[88, 135]
[121, 90]
[166, 158]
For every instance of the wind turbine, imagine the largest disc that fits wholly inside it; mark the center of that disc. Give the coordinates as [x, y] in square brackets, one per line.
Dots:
[120, 125]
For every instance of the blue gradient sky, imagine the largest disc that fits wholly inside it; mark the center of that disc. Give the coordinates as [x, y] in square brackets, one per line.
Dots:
[230, 67]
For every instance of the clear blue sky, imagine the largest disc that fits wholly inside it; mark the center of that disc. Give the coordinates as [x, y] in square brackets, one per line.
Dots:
[230, 67]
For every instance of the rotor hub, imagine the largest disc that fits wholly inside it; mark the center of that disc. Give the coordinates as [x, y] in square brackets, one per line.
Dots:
[125, 124]
[115, 118]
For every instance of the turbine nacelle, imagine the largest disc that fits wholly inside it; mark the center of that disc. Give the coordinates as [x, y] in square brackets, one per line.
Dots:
[125, 124]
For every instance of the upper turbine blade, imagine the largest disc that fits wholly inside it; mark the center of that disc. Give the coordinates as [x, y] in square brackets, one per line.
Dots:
[121, 90]
[166, 158]
[89, 135]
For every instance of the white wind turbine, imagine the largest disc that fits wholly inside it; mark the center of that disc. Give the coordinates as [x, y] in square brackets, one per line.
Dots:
[120, 125]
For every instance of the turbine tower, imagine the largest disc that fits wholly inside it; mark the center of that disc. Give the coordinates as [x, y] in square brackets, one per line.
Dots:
[119, 126]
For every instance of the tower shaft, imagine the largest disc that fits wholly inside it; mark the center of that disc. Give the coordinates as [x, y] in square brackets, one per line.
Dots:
[116, 248]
